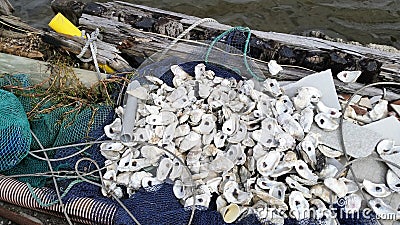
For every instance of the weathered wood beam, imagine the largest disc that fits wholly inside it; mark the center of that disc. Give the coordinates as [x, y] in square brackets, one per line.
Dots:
[125, 25]
[141, 43]
[6, 8]
[293, 40]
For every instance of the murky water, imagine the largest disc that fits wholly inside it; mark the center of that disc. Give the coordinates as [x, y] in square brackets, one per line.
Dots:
[366, 21]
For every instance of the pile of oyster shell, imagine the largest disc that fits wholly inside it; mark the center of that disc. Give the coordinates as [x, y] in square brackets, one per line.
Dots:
[244, 142]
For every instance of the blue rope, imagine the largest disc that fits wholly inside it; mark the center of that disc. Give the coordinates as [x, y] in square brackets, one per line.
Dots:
[41, 203]
[246, 48]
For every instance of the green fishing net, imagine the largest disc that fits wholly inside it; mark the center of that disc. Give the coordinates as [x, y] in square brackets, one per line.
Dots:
[60, 126]
[15, 137]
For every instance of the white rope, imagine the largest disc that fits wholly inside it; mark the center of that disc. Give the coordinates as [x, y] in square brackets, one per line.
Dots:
[54, 180]
[185, 32]
[91, 42]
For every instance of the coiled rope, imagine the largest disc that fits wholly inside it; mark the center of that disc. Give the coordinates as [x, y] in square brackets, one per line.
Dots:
[90, 42]
[246, 48]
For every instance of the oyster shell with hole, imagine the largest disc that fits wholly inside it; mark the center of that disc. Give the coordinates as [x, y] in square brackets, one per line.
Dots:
[325, 122]
[113, 130]
[299, 206]
[349, 76]
[376, 190]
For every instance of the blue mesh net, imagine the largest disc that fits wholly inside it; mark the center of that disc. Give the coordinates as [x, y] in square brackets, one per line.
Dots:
[188, 67]
[359, 218]
[161, 207]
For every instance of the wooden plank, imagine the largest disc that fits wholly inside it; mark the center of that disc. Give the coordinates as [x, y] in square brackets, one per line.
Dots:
[388, 71]
[146, 43]
[5, 7]
[295, 40]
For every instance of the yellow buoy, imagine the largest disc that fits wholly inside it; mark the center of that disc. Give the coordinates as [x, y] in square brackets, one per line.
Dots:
[62, 25]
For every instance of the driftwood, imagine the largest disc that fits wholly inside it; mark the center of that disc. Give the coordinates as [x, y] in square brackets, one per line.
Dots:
[126, 22]
[139, 31]
[6, 8]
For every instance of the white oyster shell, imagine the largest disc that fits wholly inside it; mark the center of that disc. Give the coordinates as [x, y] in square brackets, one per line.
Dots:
[325, 122]
[393, 180]
[267, 164]
[136, 178]
[329, 152]
[349, 76]
[299, 206]
[207, 124]
[179, 189]
[322, 192]
[151, 153]
[274, 68]
[305, 97]
[278, 191]
[233, 194]
[387, 147]
[265, 183]
[189, 141]
[381, 208]
[306, 119]
[240, 134]
[162, 119]
[164, 168]
[230, 213]
[332, 112]
[113, 130]
[291, 126]
[221, 164]
[148, 182]
[229, 127]
[297, 186]
[303, 170]
[379, 111]
[376, 190]
[337, 186]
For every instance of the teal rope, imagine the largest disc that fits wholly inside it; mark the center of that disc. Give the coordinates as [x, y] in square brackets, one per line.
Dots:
[246, 48]
[41, 203]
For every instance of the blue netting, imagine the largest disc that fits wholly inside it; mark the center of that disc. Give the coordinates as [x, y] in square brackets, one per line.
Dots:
[360, 218]
[188, 67]
[161, 207]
